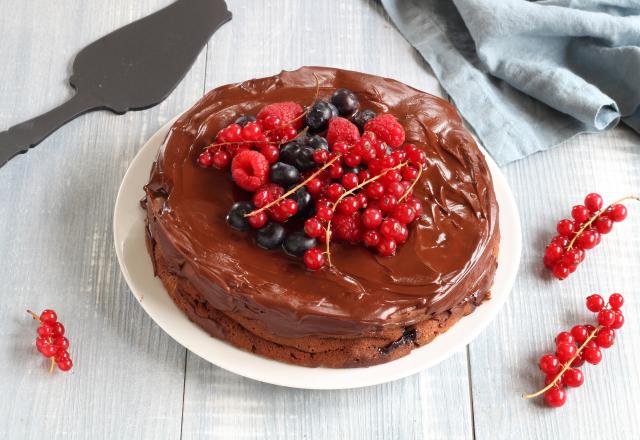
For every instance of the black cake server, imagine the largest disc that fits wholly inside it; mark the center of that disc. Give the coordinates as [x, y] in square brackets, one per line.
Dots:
[132, 68]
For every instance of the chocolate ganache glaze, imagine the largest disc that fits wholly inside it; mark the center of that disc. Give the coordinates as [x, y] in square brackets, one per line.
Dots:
[448, 260]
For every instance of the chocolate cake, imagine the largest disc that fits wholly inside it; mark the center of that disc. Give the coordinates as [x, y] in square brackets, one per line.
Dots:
[364, 308]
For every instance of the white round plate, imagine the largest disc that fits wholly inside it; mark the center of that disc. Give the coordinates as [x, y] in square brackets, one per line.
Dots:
[128, 231]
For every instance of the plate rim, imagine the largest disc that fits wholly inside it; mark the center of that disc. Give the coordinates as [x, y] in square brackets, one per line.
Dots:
[489, 309]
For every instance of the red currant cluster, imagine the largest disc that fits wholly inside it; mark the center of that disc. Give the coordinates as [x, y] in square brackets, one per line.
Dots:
[583, 343]
[51, 342]
[373, 207]
[590, 221]
[264, 134]
[336, 172]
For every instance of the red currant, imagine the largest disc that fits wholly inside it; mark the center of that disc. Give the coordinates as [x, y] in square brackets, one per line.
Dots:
[606, 317]
[387, 247]
[593, 355]
[375, 190]
[580, 213]
[618, 321]
[335, 171]
[45, 330]
[251, 131]
[289, 207]
[324, 213]
[314, 258]
[258, 219]
[371, 218]
[603, 224]
[588, 239]
[573, 378]
[565, 338]
[553, 252]
[549, 364]
[561, 271]
[580, 333]
[395, 189]
[61, 343]
[320, 156]
[334, 191]
[409, 173]
[595, 303]
[565, 228]
[271, 153]
[593, 202]
[314, 186]
[348, 205]
[555, 397]
[605, 337]
[404, 213]
[64, 364]
[49, 317]
[352, 159]
[205, 159]
[350, 180]
[271, 122]
[617, 212]
[388, 203]
[58, 329]
[616, 301]
[565, 352]
[371, 238]
[313, 227]
[362, 200]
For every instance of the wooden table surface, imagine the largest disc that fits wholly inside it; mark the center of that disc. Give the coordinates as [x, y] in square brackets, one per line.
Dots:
[132, 381]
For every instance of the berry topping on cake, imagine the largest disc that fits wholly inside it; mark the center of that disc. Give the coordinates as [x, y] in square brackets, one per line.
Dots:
[339, 185]
[387, 128]
[341, 130]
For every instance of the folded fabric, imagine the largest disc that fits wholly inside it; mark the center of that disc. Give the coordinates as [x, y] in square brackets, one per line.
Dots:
[528, 75]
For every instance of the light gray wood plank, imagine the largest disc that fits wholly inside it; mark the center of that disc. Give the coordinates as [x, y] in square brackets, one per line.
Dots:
[262, 39]
[56, 206]
[504, 358]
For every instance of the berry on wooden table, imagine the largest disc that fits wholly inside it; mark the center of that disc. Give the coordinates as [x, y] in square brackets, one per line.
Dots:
[50, 341]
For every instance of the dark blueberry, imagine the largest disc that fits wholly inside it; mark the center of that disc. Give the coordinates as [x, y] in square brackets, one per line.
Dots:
[270, 236]
[284, 174]
[304, 201]
[236, 218]
[345, 101]
[361, 118]
[317, 142]
[289, 152]
[297, 243]
[304, 159]
[317, 118]
[354, 170]
[245, 119]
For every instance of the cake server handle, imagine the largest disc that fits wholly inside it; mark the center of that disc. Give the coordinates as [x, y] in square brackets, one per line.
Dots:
[20, 138]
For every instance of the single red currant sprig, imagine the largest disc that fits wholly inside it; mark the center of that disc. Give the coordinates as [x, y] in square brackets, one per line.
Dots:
[590, 221]
[573, 348]
[51, 342]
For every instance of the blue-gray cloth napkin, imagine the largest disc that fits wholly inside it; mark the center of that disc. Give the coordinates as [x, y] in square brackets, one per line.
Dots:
[528, 75]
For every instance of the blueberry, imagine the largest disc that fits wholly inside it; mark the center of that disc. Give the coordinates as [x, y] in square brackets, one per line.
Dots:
[289, 152]
[345, 101]
[236, 218]
[317, 142]
[361, 118]
[284, 174]
[354, 170]
[270, 236]
[303, 160]
[317, 118]
[245, 119]
[297, 243]
[304, 201]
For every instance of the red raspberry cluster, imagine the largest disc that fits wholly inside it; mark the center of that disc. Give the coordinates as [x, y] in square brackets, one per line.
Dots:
[319, 172]
[583, 232]
[51, 342]
[583, 343]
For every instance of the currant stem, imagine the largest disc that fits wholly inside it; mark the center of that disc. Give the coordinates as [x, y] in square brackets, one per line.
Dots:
[351, 191]
[33, 315]
[406, 193]
[595, 217]
[295, 188]
[53, 364]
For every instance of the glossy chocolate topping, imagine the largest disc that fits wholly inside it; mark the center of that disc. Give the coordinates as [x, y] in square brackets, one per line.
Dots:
[449, 258]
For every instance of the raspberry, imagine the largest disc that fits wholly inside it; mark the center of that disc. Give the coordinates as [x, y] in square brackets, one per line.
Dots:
[387, 128]
[341, 129]
[285, 111]
[250, 170]
[347, 227]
